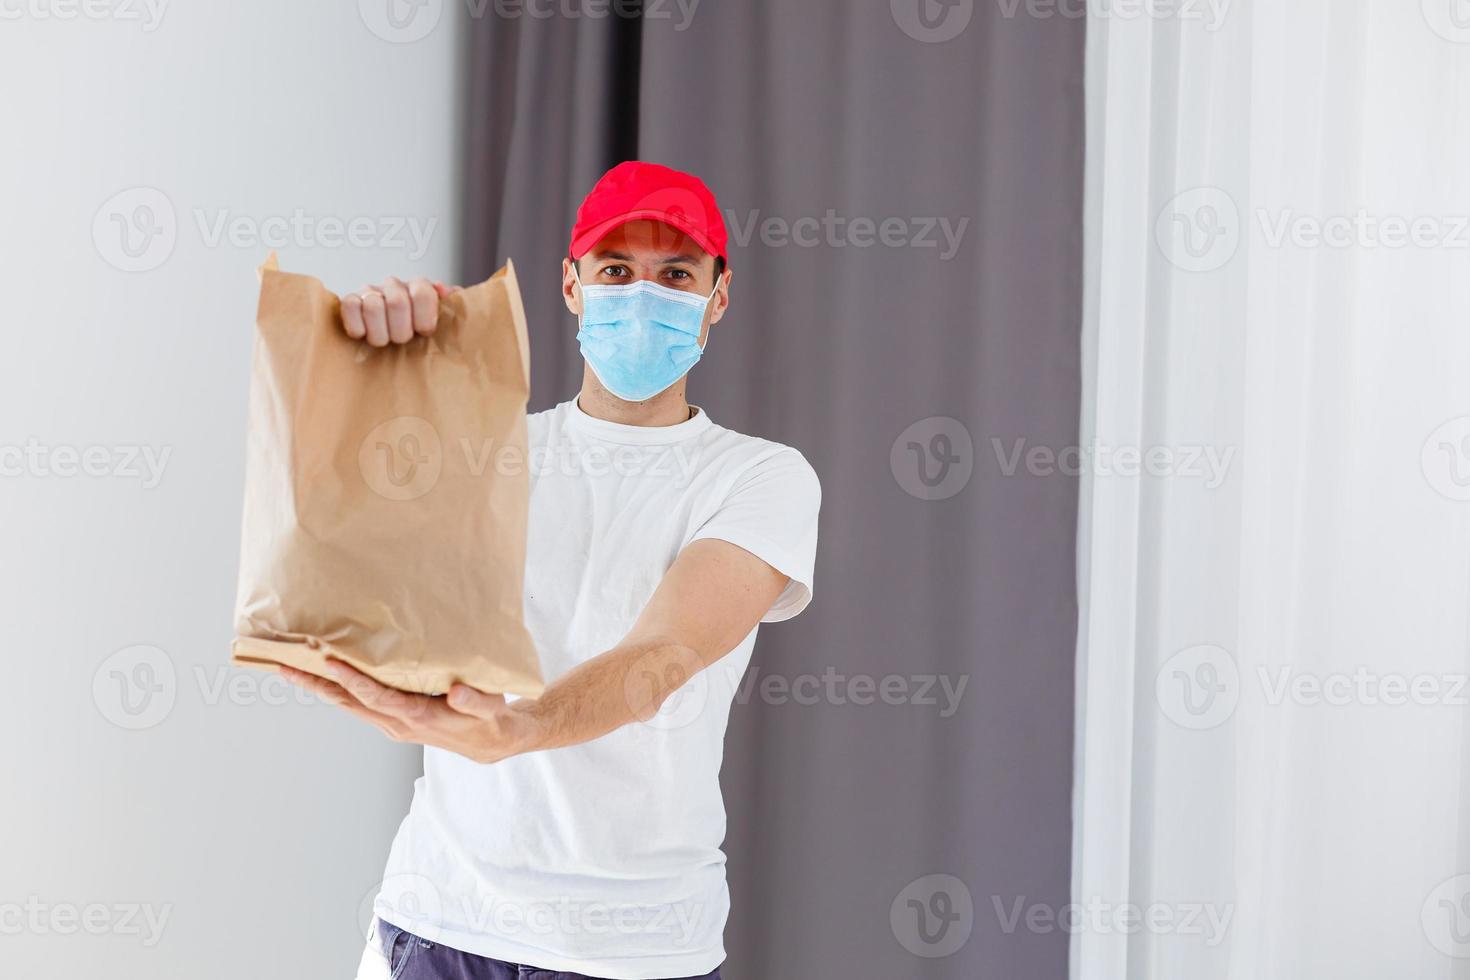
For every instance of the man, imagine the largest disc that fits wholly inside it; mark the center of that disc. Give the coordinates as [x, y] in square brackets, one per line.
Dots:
[579, 833]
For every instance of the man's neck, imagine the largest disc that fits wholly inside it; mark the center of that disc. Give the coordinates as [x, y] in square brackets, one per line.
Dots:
[668, 407]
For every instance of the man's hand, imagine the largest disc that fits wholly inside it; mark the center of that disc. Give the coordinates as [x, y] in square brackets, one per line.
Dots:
[481, 727]
[395, 312]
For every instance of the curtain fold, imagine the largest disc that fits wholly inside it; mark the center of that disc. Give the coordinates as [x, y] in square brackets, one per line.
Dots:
[1272, 647]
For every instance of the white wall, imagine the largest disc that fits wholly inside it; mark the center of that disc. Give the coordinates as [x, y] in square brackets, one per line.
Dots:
[257, 828]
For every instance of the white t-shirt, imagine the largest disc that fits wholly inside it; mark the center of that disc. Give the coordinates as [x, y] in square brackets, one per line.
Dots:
[604, 858]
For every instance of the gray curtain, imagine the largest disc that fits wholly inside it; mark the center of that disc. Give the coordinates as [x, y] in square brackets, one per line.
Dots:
[855, 348]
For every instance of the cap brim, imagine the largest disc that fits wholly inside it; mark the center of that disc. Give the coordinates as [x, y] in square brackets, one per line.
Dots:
[583, 242]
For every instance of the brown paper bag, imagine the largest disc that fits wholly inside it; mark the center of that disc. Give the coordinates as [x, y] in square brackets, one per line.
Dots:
[386, 493]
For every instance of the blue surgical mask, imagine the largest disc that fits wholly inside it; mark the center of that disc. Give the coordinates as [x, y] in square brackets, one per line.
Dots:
[640, 337]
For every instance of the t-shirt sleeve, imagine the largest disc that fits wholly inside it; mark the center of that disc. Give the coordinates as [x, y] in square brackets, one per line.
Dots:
[771, 512]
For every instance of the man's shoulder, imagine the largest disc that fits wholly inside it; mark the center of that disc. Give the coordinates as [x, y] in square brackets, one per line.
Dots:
[540, 424]
[750, 456]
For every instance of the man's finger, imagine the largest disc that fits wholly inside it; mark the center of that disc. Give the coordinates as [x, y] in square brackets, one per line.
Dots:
[468, 701]
[374, 318]
[425, 300]
[352, 316]
[400, 311]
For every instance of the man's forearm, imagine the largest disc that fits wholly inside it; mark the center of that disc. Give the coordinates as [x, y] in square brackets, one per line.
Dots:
[627, 683]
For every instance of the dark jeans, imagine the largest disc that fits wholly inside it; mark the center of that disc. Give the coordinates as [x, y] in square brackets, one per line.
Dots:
[412, 958]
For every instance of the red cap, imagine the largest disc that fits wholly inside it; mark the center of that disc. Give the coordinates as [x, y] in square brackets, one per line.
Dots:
[634, 190]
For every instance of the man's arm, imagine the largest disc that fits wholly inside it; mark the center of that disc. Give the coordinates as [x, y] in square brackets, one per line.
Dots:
[710, 598]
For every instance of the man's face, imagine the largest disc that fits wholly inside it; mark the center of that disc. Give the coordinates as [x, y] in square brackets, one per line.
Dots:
[653, 251]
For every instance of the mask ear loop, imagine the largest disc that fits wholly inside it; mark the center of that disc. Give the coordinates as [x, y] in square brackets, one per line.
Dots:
[581, 294]
[707, 300]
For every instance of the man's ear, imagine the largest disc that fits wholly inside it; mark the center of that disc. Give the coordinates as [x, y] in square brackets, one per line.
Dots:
[722, 296]
[571, 293]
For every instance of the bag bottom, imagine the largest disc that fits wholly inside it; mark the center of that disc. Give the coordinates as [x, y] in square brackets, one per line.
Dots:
[310, 656]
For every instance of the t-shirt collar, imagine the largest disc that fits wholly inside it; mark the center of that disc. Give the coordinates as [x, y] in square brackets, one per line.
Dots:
[636, 435]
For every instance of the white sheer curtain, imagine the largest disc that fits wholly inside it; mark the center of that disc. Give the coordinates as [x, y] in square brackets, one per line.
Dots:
[1272, 726]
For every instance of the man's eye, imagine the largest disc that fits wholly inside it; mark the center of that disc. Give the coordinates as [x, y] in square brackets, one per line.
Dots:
[615, 271]
[678, 274]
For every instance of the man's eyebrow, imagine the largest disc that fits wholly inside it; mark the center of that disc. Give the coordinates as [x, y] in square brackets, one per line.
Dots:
[617, 256]
[681, 260]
